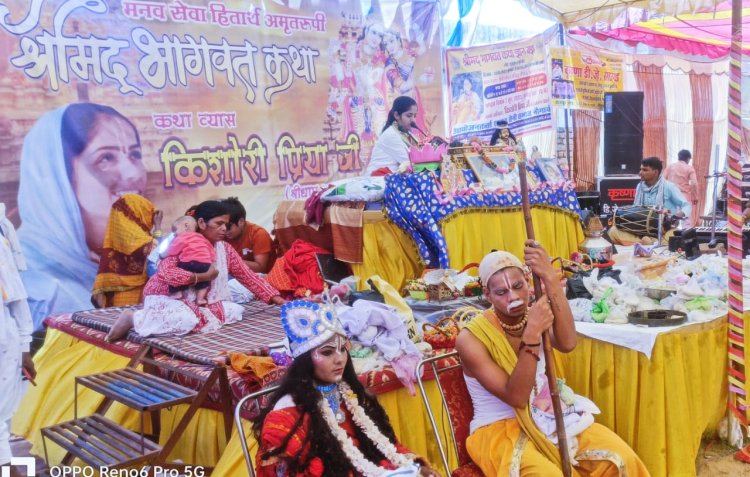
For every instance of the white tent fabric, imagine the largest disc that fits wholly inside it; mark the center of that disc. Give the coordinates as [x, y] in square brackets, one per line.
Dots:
[679, 110]
[614, 12]
[720, 86]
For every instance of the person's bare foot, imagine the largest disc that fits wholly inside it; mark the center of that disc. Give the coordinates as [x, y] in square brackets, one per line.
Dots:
[123, 324]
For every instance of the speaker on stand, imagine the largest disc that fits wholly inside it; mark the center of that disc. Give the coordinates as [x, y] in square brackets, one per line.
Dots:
[623, 133]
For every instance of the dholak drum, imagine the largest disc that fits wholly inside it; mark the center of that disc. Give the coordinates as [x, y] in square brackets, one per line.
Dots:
[639, 220]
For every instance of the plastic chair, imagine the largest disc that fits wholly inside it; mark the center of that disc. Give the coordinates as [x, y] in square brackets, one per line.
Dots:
[255, 398]
[457, 405]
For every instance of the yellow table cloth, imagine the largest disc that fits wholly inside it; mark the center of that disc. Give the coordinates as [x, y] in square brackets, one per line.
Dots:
[662, 406]
[391, 253]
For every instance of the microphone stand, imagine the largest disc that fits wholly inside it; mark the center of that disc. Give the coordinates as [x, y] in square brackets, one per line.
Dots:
[414, 126]
[713, 242]
[660, 226]
[716, 176]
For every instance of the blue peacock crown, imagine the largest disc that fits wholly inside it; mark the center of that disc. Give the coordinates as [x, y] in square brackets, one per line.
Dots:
[309, 325]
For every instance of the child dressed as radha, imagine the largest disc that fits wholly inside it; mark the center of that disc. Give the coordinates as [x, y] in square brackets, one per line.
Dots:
[321, 421]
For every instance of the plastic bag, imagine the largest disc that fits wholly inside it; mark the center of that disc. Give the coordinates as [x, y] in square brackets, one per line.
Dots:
[611, 273]
[575, 287]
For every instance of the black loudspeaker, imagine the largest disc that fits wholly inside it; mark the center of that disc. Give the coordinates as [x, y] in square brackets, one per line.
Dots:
[623, 132]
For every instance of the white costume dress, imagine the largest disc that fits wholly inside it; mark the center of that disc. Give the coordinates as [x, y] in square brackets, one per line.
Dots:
[391, 149]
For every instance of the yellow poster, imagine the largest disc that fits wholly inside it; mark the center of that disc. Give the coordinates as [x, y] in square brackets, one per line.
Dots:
[579, 80]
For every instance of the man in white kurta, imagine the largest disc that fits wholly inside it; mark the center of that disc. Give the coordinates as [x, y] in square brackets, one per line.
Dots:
[15, 339]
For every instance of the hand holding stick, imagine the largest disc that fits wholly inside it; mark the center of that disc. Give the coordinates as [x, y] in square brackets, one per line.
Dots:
[562, 441]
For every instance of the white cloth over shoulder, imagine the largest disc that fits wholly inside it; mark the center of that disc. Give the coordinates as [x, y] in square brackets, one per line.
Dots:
[60, 270]
[162, 315]
[389, 151]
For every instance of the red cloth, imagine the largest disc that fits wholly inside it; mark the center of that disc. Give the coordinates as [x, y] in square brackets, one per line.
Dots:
[301, 267]
[278, 279]
[383, 171]
[192, 247]
[276, 427]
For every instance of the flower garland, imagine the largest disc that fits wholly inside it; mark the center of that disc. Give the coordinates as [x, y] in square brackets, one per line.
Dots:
[444, 197]
[363, 421]
[483, 155]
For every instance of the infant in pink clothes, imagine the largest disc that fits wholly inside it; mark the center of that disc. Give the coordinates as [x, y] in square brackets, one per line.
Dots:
[194, 253]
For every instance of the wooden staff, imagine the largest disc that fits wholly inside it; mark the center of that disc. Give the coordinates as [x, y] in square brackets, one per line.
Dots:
[549, 360]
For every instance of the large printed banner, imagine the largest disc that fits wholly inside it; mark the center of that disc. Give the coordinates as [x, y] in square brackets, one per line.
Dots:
[504, 81]
[194, 99]
[579, 80]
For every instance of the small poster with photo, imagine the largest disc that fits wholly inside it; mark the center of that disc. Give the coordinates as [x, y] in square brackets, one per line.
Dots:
[534, 175]
[488, 170]
[550, 169]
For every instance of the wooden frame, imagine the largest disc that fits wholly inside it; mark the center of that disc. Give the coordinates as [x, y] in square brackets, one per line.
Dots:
[550, 169]
[489, 177]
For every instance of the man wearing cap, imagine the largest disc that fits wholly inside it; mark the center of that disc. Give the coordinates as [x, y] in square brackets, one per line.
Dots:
[513, 430]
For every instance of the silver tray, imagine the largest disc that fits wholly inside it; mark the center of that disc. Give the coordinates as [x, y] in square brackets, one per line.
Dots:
[657, 317]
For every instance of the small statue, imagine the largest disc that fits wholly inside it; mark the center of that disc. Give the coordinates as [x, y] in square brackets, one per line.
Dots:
[503, 137]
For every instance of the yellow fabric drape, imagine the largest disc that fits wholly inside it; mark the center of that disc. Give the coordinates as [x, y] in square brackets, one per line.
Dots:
[661, 407]
[64, 357]
[470, 236]
[389, 252]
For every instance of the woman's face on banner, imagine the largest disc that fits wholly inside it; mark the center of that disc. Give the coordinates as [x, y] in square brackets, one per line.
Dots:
[110, 166]
[392, 43]
[374, 35]
[468, 86]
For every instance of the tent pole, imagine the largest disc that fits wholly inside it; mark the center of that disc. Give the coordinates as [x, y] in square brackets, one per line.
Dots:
[561, 33]
[738, 319]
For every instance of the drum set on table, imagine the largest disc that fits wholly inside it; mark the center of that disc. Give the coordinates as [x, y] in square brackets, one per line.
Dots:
[644, 221]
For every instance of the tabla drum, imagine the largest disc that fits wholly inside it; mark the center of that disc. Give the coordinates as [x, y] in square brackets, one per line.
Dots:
[639, 220]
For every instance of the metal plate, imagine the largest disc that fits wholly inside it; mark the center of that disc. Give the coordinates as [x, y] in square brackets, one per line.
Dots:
[657, 317]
